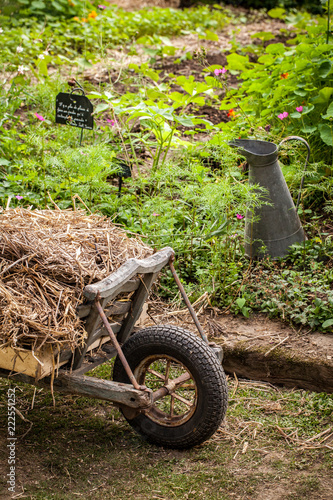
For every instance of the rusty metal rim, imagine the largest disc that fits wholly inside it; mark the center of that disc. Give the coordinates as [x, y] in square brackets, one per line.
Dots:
[154, 413]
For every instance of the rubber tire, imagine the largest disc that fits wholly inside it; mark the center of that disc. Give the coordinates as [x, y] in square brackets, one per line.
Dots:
[207, 373]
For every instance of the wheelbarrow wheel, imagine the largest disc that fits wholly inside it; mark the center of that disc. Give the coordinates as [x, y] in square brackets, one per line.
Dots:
[193, 405]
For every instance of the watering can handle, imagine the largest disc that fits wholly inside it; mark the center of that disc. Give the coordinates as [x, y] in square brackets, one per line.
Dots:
[296, 138]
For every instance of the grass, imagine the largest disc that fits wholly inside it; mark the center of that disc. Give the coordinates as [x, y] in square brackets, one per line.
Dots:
[272, 440]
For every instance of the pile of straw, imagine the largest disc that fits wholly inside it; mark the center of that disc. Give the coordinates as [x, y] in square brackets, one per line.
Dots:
[47, 257]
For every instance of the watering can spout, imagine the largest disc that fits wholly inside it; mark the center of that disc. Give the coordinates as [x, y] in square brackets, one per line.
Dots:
[273, 226]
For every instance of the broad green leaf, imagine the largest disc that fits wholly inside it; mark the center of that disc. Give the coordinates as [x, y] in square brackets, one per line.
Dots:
[245, 312]
[277, 13]
[240, 302]
[263, 35]
[141, 117]
[324, 47]
[199, 100]
[266, 59]
[301, 64]
[187, 122]
[143, 40]
[57, 6]
[152, 74]
[237, 62]
[202, 120]
[211, 36]
[94, 95]
[151, 52]
[134, 66]
[155, 94]
[42, 67]
[178, 97]
[225, 105]
[84, 63]
[19, 80]
[329, 112]
[102, 106]
[275, 48]
[325, 68]
[304, 48]
[188, 84]
[169, 50]
[309, 129]
[38, 4]
[324, 95]
[265, 112]
[307, 109]
[326, 133]
[211, 81]
[165, 40]
[327, 323]
[201, 87]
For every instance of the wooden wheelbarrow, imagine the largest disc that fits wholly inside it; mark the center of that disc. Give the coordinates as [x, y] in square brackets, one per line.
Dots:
[167, 381]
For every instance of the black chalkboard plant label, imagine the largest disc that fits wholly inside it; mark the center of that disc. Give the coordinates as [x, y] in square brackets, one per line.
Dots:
[75, 110]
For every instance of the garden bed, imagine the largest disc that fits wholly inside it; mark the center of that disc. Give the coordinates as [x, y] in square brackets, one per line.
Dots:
[258, 348]
[262, 349]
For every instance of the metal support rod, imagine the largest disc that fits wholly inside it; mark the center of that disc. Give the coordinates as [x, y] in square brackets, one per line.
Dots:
[186, 300]
[117, 346]
[81, 135]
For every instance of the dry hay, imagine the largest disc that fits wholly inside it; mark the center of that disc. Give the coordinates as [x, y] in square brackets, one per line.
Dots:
[47, 257]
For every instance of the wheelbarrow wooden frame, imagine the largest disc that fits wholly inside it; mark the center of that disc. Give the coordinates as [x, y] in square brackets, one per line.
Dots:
[134, 276]
[191, 364]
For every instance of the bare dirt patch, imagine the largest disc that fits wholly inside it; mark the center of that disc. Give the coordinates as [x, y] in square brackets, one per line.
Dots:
[259, 348]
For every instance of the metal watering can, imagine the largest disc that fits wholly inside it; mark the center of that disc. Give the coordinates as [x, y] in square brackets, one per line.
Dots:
[270, 229]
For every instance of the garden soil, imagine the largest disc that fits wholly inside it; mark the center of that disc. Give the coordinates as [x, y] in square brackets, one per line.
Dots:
[258, 348]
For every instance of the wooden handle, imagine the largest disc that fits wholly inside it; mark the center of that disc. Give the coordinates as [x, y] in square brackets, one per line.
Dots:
[110, 285]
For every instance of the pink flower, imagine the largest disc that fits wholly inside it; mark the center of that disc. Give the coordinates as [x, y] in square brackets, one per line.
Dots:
[283, 115]
[39, 117]
[155, 214]
[239, 216]
[112, 122]
[219, 71]
[299, 109]
[19, 197]
[101, 7]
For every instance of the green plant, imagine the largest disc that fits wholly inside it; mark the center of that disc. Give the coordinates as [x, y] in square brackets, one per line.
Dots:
[158, 112]
[290, 88]
[53, 8]
[298, 288]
